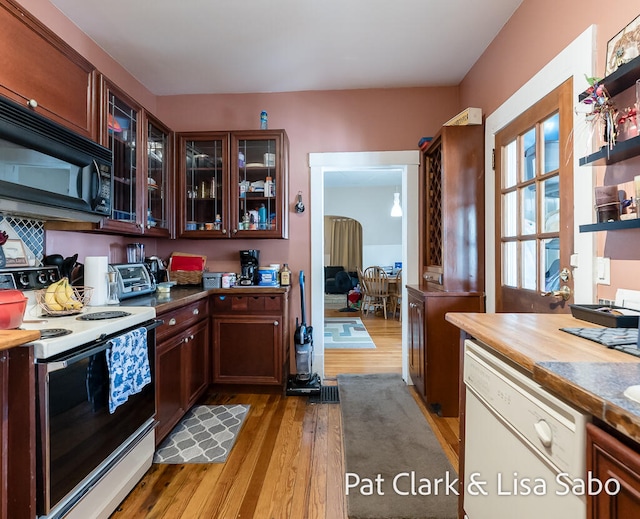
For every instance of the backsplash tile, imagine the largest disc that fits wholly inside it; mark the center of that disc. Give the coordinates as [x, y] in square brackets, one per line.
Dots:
[31, 232]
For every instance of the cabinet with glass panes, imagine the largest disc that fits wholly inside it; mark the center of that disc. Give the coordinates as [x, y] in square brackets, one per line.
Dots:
[233, 184]
[158, 158]
[141, 147]
[120, 132]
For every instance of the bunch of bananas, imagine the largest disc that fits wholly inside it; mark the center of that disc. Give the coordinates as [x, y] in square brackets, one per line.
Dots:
[61, 296]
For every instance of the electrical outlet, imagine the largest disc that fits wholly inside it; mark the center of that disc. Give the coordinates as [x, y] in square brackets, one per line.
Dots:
[604, 271]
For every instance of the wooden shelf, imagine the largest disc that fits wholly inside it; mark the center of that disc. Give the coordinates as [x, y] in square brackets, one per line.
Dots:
[621, 151]
[623, 77]
[611, 226]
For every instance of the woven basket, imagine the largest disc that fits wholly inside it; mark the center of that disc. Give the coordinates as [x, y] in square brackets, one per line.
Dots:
[186, 277]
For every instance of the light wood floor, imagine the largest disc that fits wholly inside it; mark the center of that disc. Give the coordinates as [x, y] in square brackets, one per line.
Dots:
[288, 460]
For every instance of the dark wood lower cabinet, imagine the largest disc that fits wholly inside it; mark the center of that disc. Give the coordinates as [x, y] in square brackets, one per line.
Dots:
[416, 340]
[250, 337]
[434, 355]
[609, 457]
[17, 434]
[182, 364]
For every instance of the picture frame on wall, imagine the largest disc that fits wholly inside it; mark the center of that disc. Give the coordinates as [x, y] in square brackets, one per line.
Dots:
[623, 47]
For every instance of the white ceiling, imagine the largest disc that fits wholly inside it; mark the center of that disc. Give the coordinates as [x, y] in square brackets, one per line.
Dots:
[242, 46]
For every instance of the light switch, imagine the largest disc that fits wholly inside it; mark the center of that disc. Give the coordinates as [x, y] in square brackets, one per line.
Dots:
[604, 271]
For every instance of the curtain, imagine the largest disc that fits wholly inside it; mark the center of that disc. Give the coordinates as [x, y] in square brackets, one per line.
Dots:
[344, 237]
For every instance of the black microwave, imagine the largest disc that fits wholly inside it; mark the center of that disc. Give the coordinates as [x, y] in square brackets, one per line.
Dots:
[49, 171]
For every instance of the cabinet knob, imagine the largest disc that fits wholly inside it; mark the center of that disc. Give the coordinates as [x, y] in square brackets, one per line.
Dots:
[275, 323]
[224, 231]
[234, 231]
[196, 311]
[32, 103]
[172, 321]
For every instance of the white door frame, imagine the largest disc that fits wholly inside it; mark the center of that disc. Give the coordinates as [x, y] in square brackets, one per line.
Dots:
[575, 61]
[408, 163]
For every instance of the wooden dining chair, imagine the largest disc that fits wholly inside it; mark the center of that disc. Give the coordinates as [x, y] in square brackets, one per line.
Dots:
[363, 290]
[395, 302]
[377, 289]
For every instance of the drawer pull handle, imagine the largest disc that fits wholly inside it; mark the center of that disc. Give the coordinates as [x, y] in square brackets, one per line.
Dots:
[32, 103]
[172, 321]
[196, 311]
[275, 323]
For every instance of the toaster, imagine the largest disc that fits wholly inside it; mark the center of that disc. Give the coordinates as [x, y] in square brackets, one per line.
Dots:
[134, 279]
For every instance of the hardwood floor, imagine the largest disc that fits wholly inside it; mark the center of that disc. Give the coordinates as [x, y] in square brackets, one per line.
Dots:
[288, 460]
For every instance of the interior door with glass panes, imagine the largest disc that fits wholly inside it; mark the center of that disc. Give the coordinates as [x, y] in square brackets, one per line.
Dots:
[534, 209]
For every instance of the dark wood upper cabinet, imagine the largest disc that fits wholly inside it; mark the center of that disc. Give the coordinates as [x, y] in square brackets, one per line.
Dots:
[232, 184]
[40, 70]
[452, 210]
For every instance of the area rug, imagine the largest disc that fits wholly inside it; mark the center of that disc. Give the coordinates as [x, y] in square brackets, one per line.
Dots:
[392, 453]
[346, 333]
[205, 434]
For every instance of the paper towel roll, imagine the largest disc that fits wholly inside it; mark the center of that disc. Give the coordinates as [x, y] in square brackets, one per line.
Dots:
[95, 275]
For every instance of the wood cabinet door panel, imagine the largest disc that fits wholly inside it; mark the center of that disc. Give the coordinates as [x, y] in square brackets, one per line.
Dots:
[36, 64]
[416, 342]
[442, 343]
[607, 457]
[247, 350]
[169, 387]
[195, 356]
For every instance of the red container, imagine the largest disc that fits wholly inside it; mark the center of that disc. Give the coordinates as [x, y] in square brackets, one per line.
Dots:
[12, 306]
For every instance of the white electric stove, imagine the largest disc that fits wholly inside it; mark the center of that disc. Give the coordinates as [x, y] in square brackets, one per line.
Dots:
[113, 448]
[64, 333]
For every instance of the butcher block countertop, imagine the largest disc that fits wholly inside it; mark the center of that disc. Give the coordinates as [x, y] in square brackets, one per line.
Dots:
[12, 338]
[585, 373]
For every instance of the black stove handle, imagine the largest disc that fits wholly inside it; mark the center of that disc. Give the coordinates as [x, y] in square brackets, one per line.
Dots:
[102, 344]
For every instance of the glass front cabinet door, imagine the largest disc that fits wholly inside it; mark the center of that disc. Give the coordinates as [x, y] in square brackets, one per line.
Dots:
[203, 185]
[121, 134]
[141, 145]
[158, 159]
[233, 184]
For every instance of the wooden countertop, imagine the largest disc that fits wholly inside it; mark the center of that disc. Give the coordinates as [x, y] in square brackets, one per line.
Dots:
[585, 373]
[13, 338]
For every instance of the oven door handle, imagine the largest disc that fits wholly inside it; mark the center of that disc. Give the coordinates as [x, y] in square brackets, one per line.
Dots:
[102, 345]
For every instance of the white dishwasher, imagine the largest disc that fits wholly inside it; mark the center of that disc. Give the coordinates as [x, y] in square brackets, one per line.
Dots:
[524, 448]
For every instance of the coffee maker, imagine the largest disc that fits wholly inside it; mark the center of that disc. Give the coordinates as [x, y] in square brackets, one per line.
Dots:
[249, 262]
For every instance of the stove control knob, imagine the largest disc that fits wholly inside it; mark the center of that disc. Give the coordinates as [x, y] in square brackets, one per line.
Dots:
[53, 276]
[23, 280]
[42, 277]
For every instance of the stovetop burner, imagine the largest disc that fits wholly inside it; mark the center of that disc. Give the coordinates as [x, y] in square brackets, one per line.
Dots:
[50, 333]
[98, 316]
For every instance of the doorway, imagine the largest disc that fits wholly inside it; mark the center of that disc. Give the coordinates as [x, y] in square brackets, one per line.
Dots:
[407, 163]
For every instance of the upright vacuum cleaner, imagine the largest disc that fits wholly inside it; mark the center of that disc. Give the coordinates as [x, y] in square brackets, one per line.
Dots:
[305, 381]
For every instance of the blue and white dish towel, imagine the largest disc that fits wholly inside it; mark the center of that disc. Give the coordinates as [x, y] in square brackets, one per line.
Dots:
[128, 363]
